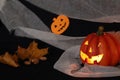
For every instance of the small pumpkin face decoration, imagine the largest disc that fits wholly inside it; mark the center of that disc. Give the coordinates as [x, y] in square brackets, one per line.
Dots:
[60, 24]
[100, 48]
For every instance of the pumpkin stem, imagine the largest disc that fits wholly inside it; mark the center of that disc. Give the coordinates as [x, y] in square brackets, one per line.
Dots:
[100, 30]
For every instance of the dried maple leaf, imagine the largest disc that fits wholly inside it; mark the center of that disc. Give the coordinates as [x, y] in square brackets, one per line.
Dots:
[22, 53]
[38, 53]
[32, 53]
[35, 52]
[32, 46]
[15, 58]
[7, 59]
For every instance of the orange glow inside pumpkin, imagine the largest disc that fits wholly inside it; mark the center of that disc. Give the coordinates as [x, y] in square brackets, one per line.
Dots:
[91, 60]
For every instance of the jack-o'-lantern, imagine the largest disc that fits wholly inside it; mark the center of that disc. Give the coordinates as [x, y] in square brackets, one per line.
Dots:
[60, 24]
[100, 48]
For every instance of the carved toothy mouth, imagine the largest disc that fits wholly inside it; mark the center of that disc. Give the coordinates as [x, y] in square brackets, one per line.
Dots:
[93, 60]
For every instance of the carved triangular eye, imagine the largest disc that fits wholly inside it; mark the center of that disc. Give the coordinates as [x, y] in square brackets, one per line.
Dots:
[86, 42]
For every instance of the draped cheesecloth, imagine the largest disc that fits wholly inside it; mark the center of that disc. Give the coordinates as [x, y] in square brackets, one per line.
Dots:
[13, 13]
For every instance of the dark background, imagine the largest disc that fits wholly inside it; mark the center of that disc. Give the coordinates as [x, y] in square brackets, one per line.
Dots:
[44, 70]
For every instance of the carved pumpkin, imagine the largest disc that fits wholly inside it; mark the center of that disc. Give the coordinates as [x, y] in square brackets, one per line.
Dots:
[100, 48]
[60, 24]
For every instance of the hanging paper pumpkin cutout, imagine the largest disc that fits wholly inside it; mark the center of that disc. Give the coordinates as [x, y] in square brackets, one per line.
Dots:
[60, 24]
[100, 48]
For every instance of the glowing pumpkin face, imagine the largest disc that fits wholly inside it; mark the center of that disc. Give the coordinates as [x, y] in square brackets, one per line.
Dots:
[100, 49]
[93, 59]
[60, 24]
